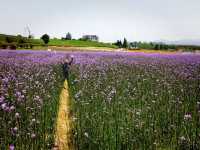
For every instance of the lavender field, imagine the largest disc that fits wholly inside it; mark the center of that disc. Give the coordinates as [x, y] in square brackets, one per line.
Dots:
[136, 101]
[121, 100]
[30, 83]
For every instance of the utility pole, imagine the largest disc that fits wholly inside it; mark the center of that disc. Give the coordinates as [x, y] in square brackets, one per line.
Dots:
[27, 29]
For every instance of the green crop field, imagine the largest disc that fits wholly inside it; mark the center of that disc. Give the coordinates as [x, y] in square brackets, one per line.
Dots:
[79, 43]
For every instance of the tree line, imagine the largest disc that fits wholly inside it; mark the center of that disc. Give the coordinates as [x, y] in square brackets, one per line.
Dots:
[13, 42]
[153, 46]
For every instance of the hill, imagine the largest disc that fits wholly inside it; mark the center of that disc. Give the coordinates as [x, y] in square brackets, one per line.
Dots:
[79, 43]
[21, 42]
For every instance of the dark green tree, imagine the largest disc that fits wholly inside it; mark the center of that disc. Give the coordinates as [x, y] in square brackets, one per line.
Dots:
[45, 38]
[9, 39]
[20, 39]
[156, 47]
[68, 36]
[118, 43]
[125, 43]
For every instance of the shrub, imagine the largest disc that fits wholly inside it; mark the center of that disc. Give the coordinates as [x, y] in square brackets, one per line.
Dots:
[45, 38]
[3, 45]
[13, 46]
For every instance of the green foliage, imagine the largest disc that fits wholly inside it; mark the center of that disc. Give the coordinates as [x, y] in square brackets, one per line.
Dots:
[145, 45]
[125, 43]
[13, 46]
[3, 45]
[119, 43]
[13, 42]
[23, 42]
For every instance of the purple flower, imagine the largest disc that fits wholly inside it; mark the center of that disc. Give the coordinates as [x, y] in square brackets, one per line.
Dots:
[17, 115]
[187, 116]
[3, 106]
[33, 135]
[1, 100]
[15, 129]
[12, 108]
[11, 147]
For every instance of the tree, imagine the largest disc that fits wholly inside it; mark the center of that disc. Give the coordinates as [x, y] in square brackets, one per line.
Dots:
[157, 47]
[9, 39]
[125, 43]
[45, 38]
[118, 43]
[68, 36]
[20, 39]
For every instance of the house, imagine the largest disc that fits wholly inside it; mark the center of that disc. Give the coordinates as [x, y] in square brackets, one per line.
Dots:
[90, 37]
[133, 45]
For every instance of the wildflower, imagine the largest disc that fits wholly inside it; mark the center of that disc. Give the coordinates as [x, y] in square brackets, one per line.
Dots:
[11, 147]
[5, 80]
[3, 106]
[18, 93]
[33, 120]
[33, 135]
[6, 109]
[187, 116]
[12, 108]
[15, 129]
[1, 100]
[86, 134]
[138, 113]
[17, 115]
[182, 138]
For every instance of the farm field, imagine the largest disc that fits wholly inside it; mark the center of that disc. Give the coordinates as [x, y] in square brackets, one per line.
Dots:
[79, 43]
[120, 100]
[65, 44]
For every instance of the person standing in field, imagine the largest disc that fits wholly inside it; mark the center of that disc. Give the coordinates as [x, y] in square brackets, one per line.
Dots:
[66, 66]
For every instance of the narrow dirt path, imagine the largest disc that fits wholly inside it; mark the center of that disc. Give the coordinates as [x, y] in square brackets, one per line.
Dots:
[63, 136]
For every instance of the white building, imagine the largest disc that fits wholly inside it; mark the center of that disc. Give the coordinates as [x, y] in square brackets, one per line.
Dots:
[90, 37]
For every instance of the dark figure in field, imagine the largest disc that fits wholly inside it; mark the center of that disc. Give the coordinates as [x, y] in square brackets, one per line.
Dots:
[66, 67]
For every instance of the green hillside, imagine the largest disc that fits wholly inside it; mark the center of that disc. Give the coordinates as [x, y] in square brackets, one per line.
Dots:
[79, 43]
[23, 42]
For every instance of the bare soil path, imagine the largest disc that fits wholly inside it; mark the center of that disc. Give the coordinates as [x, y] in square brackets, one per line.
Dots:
[63, 136]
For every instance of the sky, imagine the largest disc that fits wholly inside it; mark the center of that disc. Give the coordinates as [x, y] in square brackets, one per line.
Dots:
[144, 20]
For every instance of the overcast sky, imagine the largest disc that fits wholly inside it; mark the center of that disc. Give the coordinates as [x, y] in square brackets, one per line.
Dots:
[146, 20]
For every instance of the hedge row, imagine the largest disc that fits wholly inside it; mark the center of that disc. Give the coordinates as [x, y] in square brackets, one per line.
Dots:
[4, 45]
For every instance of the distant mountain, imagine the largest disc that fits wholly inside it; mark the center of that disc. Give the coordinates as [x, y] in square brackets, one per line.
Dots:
[182, 42]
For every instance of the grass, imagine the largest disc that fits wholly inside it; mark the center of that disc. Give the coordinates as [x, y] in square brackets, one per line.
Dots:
[79, 43]
[74, 45]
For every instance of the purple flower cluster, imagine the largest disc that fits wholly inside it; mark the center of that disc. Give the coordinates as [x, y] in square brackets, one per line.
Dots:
[27, 79]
